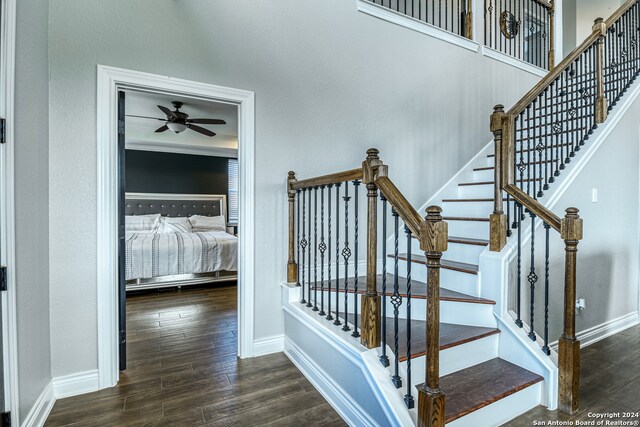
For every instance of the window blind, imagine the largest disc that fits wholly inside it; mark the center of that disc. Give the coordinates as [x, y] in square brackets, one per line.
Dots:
[232, 198]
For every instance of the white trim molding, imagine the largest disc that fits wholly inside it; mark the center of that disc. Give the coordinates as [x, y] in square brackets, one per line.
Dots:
[166, 147]
[270, 345]
[76, 384]
[110, 80]
[41, 408]
[604, 330]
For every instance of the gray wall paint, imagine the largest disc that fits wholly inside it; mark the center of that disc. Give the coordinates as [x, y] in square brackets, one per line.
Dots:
[32, 206]
[330, 82]
[578, 17]
[608, 255]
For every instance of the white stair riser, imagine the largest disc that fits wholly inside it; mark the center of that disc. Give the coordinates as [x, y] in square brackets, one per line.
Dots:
[453, 359]
[468, 209]
[450, 279]
[483, 191]
[472, 229]
[483, 175]
[460, 313]
[504, 409]
[456, 252]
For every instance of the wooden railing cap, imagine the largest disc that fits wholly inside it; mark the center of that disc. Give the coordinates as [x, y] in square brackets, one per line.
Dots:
[571, 226]
[434, 232]
[372, 154]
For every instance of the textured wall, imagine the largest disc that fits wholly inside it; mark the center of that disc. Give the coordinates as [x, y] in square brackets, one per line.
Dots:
[32, 201]
[330, 82]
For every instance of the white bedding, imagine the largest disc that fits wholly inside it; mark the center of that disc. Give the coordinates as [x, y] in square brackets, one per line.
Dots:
[161, 254]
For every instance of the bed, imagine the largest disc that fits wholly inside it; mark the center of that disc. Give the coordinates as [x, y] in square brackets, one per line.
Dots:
[173, 254]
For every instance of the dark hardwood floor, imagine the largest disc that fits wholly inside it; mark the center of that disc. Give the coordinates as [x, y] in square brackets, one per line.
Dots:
[609, 382]
[183, 370]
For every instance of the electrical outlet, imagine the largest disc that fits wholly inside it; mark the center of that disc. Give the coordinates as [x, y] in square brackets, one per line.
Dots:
[594, 195]
[581, 304]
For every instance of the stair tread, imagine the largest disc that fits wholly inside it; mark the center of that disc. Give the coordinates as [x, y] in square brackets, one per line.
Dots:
[469, 200]
[448, 264]
[469, 184]
[450, 335]
[418, 290]
[462, 218]
[480, 385]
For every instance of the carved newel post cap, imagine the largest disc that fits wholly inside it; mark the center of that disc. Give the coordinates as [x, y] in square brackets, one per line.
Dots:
[434, 233]
[498, 108]
[434, 214]
[572, 213]
[571, 225]
[599, 20]
[372, 154]
[292, 175]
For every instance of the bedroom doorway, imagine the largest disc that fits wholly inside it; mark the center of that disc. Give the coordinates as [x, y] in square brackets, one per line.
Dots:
[212, 247]
[177, 227]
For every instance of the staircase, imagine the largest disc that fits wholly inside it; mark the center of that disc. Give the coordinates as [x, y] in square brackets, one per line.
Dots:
[412, 336]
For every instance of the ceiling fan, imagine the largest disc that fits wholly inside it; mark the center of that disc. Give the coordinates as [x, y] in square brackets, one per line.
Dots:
[177, 121]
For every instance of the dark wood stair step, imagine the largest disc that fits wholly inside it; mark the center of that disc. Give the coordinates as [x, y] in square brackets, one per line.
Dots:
[469, 200]
[447, 264]
[469, 184]
[418, 289]
[460, 218]
[483, 384]
[450, 335]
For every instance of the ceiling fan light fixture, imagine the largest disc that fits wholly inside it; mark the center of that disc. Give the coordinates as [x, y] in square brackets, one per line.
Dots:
[176, 127]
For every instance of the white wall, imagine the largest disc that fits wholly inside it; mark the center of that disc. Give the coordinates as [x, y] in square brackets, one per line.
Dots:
[330, 83]
[578, 18]
[31, 211]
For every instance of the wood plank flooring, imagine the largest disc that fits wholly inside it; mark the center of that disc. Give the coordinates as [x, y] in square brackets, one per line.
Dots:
[609, 382]
[183, 370]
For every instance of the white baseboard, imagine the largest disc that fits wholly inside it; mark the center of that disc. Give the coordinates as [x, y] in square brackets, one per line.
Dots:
[604, 330]
[270, 345]
[41, 408]
[76, 384]
[344, 405]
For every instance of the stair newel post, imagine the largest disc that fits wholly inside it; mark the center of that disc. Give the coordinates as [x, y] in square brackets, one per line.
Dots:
[433, 241]
[292, 266]
[372, 168]
[498, 219]
[552, 34]
[602, 107]
[568, 345]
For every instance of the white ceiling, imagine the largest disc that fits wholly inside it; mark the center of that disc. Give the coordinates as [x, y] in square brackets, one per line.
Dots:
[140, 133]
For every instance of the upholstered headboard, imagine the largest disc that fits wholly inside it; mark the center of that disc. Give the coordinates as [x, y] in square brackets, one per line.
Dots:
[175, 205]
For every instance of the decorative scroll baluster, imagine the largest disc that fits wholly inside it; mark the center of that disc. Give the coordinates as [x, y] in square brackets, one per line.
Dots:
[329, 316]
[384, 359]
[355, 333]
[346, 254]
[315, 249]
[532, 277]
[408, 397]
[337, 321]
[519, 263]
[322, 247]
[545, 348]
[396, 301]
[303, 242]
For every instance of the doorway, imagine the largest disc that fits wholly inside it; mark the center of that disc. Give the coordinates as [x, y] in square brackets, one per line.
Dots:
[111, 81]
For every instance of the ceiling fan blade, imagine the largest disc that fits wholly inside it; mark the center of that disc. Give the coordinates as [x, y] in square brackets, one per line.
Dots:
[145, 117]
[201, 130]
[207, 121]
[162, 129]
[168, 112]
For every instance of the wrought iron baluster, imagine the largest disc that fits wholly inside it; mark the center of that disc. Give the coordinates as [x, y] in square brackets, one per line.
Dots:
[519, 278]
[355, 333]
[384, 359]
[548, 145]
[315, 249]
[396, 300]
[346, 254]
[532, 277]
[337, 321]
[530, 137]
[303, 242]
[322, 247]
[408, 397]
[309, 256]
[545, 348]
[329, 316]
[540, 147]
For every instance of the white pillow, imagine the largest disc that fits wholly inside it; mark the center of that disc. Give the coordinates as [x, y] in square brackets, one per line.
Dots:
[208, 223]
[137, 223]
[174, 225]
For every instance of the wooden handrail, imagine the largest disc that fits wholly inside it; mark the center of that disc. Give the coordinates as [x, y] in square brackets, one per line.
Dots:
[534, 206]
[409, 215]
[334, 178]
[544, 3]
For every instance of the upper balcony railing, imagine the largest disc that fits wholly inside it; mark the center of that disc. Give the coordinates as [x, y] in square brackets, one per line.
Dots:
[523, 29]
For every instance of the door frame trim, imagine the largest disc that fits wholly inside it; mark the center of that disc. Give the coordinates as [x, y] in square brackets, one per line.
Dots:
[110, 79]
[7, 219]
